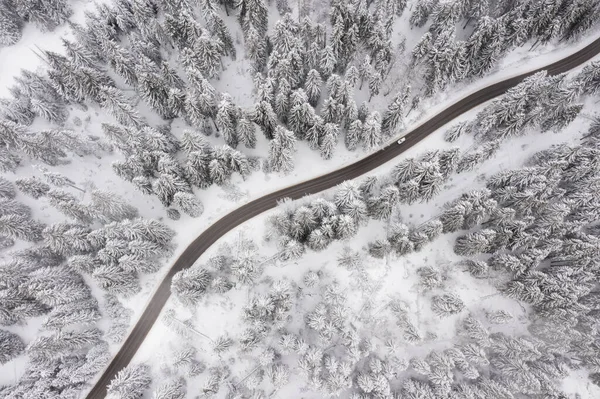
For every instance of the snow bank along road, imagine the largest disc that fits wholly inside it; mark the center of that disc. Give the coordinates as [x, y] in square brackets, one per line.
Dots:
[258, 206]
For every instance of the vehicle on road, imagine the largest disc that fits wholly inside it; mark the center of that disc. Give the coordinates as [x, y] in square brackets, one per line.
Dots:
[402, 140]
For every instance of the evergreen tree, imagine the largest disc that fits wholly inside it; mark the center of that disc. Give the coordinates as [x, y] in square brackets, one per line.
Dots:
[10, 25]
[578, 17]
[47, 15]
[190, 285]
[73, 313]
[167, 185]
[175, 389]
[246, 131]
[474, 243]
[455, 131]
[317, 240]
[20, 227]
[328, 61]
[217, 172]
[11, 346]
[226, 120]
[371, 132]
[314, 135]
[116, 280]
[354, 135]
[382, 206]
[446, 305]
[302, 115]
[264, 116]
[67, 204]
[62, 343]
[282, 97]
[7, 190]
[281, 150]
[329, 140]
[155, 91]
[12, 207]
[312, 87]
[207, 54]
[189, 203]
[112, 206]
[253, 17]
[51, 111]
[123, 111]
[375, 81]
[394, 114]
[130, 382]
[588, 80]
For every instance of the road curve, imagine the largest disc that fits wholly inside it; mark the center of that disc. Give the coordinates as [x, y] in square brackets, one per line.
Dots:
[258, 206]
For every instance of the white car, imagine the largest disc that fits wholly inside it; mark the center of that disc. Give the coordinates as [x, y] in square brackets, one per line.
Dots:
[402, 140]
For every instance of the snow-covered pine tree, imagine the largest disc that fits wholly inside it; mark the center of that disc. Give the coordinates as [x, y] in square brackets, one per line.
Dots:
[312, 86]
[189, 203]
[154, 90]
[20, 227]
[354, 135]
[115, 280]
[130, 382]
[253, 17]
[226, 120]
[123, 111]
[328, 142]
[328, 61]
[67, 204]
[10, 24]
[455, 131]
[7, 191]
[246, 131]
[111, 206]
[393, 116]
[264, 116]
[446, 305]
[11, 346]
[371, 131]
[174, 389]
[190, 285]
[82, 312]
[47, 15]
[62, 343]
[281, 150]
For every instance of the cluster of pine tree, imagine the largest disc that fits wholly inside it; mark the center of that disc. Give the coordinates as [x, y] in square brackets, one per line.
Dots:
[337, 351]
[320, 221]
[445, 57]
[45, 14]
[237, 264]
[539, 225]
[105, 240]
[169, 56]
[539, 102]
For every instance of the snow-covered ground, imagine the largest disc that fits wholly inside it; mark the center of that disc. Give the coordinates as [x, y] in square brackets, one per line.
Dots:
[219, 201]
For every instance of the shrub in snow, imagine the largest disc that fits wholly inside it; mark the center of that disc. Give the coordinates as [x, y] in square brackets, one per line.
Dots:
[173, 214]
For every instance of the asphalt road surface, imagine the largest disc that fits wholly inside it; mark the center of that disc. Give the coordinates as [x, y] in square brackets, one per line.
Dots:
[258, 206]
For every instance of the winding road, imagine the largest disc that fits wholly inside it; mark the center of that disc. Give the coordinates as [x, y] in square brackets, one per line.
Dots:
[260, 205]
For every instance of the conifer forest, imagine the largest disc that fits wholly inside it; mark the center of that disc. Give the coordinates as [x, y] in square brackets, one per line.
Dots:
[272, 199]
